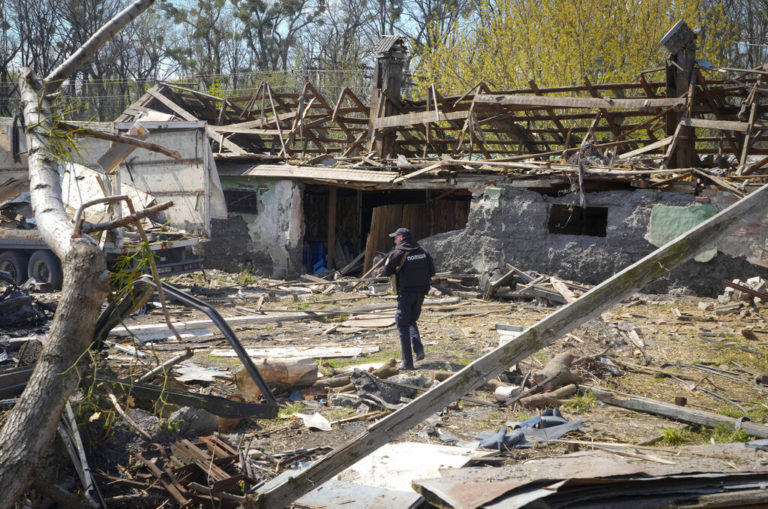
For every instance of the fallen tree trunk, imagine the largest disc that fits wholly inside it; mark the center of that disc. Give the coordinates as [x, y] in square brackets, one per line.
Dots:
[591, 304]
[31, 425]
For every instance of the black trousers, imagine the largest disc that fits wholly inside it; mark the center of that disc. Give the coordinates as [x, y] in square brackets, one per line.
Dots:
[408, 311]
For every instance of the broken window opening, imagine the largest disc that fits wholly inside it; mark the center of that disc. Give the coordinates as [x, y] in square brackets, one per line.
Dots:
[575, 220]
[242, 201]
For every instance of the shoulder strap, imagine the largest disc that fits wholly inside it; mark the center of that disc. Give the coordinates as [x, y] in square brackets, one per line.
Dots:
[402, 261]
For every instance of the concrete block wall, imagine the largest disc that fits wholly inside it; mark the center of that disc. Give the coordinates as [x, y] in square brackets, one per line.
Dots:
[510, 226]
[267, 240]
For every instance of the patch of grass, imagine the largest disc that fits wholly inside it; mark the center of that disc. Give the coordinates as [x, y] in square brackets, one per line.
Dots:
[290, 409]
[227, 360]
[725, 435]
[658, 379]
[678, 436]
[245, 278]
[581, 403]
[336, 413]
[730, 411]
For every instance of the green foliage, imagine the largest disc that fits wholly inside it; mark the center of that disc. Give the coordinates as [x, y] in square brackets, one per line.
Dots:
[581, 403]
[722, 434]
[217, 89]
[128, 267]
[559, 42]
[676, 436]
[692, 435]
[290, 409]
[246, 278]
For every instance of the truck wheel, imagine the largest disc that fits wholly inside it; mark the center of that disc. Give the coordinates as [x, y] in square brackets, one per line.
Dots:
[45, 267]
[14, 263]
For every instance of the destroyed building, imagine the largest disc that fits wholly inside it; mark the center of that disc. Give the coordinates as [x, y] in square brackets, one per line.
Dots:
[576, 181]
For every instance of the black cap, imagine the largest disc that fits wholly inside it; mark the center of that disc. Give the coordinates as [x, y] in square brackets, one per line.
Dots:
[405, 232]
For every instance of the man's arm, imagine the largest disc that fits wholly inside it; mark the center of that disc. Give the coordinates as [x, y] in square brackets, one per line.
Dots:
[390, 265]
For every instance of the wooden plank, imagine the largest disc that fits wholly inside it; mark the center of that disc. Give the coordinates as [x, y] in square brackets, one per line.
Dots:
[421, 117]
[748, 137]
[672, 146]
[702, 81]
[675, 412]
[338, 174]
[563, 289]
[652, 267]
[648, 148]
[551, 112]
[243, 130]
[607, 116]
[578, 102]
[155, 92]
[720, 182]
[416, 173]
[720, 125]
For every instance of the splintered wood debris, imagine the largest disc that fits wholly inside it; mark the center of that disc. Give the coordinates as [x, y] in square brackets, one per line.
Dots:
[640, 348]
[610, 133]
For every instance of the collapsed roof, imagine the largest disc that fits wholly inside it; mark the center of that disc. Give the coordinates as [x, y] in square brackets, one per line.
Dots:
[618, 133]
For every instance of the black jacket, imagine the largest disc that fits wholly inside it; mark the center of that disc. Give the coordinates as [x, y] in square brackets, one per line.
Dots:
[416, 266]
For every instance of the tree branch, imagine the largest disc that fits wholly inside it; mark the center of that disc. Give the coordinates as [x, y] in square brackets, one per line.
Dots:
[92, 133]
[86, 51]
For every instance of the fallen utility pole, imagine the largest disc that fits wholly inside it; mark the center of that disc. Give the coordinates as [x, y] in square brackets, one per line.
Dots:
[591, 304]
[674, 412]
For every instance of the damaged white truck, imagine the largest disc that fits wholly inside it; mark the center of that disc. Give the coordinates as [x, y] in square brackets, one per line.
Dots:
[102, 168]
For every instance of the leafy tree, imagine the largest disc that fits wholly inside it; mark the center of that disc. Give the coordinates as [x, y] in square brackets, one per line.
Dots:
[559, 42]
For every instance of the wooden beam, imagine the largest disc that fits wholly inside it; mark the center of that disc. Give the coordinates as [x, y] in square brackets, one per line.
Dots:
[719, 125]
[648, 148]
[551, 112]
[607, 116]
[654, 266]
[416, 173]
[702, 81]
[675, 412]
[420, 117]
[578, 102]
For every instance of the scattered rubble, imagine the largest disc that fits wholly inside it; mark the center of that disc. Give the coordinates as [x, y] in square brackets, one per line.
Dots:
[322, 402]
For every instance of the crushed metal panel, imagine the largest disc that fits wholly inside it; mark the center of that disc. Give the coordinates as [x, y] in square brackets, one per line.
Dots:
[474, 487]
[191, 183]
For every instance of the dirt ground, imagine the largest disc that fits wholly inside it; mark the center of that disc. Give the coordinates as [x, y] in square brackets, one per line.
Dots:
[455, 335]
[690, 348]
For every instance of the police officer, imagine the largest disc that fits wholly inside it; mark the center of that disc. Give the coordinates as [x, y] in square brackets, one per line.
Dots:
[413, 269]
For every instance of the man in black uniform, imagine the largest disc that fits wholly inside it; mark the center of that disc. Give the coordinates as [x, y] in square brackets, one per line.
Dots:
[413, 269]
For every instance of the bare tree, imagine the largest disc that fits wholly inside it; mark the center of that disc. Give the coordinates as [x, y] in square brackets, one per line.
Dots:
[31, 425]
[273, 27]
